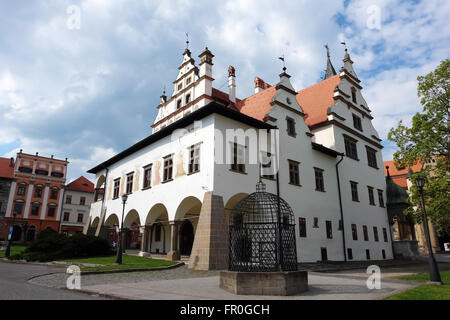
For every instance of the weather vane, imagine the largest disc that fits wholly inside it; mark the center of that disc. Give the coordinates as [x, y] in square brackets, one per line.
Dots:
[345, 45]
[284, 62]
[328, 50]
[187, 40]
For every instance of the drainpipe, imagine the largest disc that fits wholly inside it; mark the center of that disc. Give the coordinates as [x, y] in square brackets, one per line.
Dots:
[340, 206]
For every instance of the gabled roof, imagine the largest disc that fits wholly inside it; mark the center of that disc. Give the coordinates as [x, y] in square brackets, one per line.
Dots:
[257, 105]
[81, 184]
[399, 175]
[316, 99]
[6, 171]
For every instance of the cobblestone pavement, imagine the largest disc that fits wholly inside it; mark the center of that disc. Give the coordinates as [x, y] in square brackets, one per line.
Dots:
[58, 280]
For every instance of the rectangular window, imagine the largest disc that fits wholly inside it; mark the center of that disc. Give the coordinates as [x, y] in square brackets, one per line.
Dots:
[68, 199]
[329, 230]
[168, 168]
[302, 227]
[357, 122]
[372, 157]
[354, 188]
[368, 254]
[188, 98]
[351, 150]
[54, 193]
[354, 232]
[354, 95]
[383, 253]
[80, 218]
[51, 211]
[158, 233]
[294, 173]
[35, 210]
[238, 164]
[38, 192]
[375, 234]
[320, 186]
[349, 254]
[180, 86]
[324, 254]
[66, 216]
[130, 183]
[371, 196]
[266, 166]
[381, 198]
[194, 158]
[316, 222]
[18, 207]
[21, 189]
[365, 233]
[83, 201]
[148, 177]
[116, 188]
[385, 236]
[179, 104]
[291, 127]
[188, 81]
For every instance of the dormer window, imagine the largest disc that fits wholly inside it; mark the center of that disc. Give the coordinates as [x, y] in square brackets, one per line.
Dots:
[188, 98]
[179, 103]
[354, 95]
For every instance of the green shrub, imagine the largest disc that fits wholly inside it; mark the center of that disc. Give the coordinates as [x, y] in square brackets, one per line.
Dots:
[50, 245]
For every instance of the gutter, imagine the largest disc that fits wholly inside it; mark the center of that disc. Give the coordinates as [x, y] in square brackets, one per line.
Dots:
[340, 206]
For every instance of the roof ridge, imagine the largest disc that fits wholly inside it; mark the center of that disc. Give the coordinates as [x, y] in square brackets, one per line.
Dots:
[320, 82]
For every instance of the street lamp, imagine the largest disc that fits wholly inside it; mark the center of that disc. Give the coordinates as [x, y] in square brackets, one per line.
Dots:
[434, 270]
[119, 247]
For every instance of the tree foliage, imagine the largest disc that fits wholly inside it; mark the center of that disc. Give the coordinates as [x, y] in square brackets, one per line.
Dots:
[427, 141]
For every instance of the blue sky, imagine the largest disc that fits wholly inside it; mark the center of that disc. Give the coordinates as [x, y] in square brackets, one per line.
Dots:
[89, 93]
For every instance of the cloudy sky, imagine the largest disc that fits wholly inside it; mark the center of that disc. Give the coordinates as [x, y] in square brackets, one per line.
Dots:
[88, 88]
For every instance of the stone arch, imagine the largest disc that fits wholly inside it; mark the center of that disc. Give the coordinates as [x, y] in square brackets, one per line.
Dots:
[157, 213]
[112, 220]
[100, 187]
[95, 223]
[100, 182]
[132, 218]
[231, 203]
[189, 207]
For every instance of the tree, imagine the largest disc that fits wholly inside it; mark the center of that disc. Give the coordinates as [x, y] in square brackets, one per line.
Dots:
[427, 141]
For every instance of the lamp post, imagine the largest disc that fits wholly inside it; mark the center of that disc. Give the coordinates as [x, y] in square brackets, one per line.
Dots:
[119, 247]
[434, 270]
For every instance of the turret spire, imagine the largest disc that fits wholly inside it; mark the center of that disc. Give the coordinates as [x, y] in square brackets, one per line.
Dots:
[330, 69]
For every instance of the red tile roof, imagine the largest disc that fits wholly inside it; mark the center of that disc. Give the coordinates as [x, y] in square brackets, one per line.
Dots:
[5, 170]
[393, 171]
[223, 98]
[81, 184]
[257, 105]
[316, 99]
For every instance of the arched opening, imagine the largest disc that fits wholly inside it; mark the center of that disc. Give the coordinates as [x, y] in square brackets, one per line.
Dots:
[95, 223]
[157, 223]
[16, 233]
[100, 188]
[131, 233]
[31, 233]
[187, 238]
[111, 228]
[231, 203]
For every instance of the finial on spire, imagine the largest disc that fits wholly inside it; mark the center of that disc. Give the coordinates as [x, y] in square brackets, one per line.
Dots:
[284, 63]
[187, 40]
[328, 50]
[330, 71]
[345, 45]
[387, 169]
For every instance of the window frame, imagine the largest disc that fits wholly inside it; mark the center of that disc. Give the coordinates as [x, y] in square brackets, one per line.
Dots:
[302, 227]
[129, 183]
[294, 172]
[371, 154]
[147, 181]
[194, 158]
[66, 214]
[371, 196]
[365, 233]
[167, 168]
[354, 232]
[290, 127]
[381, 198]
[238, 155]
[319, 178]
[354, 191]
[357, 122]
[329, 229]
[78, 218]
[351, 147]
[375, 234]
[116, 188]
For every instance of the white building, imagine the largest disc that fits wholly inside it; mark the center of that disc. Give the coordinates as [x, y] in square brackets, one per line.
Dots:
[78, 196]
[171, 178]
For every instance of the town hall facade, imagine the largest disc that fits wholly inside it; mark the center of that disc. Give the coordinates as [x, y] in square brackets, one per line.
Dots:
[184, 180]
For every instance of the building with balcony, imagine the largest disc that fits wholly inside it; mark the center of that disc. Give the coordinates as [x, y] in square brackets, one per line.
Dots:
[316, 147]
[35, 197]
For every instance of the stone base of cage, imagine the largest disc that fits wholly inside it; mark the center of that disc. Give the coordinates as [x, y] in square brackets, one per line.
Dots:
[264, 283]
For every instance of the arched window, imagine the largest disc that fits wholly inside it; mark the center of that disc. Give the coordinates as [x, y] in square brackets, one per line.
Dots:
[188, 98]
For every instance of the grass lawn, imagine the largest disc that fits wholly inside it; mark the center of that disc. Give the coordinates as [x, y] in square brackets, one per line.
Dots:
[14, 250]
[128, 262]
[425, 291]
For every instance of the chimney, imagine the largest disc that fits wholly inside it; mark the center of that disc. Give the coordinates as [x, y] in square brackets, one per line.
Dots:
[260, 85]
[11, 162]
[232, 84]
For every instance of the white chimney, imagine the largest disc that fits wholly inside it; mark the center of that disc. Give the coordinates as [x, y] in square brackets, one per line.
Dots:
[232, 84]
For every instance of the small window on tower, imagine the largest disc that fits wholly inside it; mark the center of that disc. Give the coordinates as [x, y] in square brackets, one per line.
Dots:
[180, 86]
[188, 98]
[188, 81]
[357, 122]
[354, 95]
[179, 104]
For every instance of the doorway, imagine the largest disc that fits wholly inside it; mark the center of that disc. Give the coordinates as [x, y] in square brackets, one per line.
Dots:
[187, 238]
